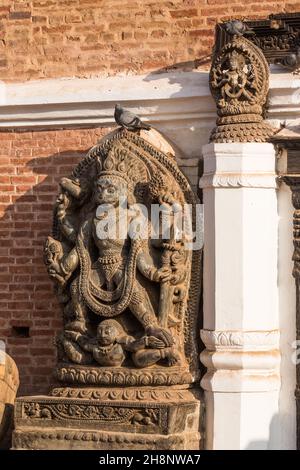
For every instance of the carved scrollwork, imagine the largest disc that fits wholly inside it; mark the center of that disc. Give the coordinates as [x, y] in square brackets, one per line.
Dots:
[28, 439]
[129, 394]
[118, 376]
[238, 181]
[92, 412]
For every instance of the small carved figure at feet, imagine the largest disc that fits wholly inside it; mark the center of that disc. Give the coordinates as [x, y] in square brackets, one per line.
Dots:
[110, 346]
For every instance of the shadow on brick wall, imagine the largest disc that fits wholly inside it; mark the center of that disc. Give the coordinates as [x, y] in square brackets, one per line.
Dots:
[29, 312]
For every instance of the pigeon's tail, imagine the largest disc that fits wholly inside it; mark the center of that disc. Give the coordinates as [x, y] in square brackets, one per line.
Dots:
[145, 126]
[249, 32]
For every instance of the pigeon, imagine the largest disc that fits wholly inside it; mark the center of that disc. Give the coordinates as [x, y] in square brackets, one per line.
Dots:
[238, 28]
[128, 120]
[291, 61]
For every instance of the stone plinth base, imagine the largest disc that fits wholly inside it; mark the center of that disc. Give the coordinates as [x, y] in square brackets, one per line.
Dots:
[150, 419]
[63, 439]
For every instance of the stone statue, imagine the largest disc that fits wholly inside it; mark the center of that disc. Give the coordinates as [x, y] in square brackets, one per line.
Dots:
[236, 80]
[239, 82]
[121, 272]
[128, 278]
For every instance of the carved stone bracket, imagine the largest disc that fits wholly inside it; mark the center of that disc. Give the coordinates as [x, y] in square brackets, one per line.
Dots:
[240, 340]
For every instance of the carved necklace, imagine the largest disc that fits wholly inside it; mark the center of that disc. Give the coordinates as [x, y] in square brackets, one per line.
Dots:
[110, 259]
[106, 349]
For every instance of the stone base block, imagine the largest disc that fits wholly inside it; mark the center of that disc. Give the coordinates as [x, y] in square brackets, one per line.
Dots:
[148, 421]
[63, 439]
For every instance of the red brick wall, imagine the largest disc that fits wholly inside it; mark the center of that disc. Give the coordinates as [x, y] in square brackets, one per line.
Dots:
[56, 38]
[31, 164]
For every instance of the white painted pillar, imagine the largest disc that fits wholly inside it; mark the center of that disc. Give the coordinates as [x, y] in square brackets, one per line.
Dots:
[241, 320]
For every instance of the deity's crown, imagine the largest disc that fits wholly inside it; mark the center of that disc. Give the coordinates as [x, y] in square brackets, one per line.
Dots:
[113, 164]
[118, 157]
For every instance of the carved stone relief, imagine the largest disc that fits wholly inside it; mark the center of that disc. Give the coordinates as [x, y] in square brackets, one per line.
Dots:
[126, 300]
[128, 283]
[239, 82]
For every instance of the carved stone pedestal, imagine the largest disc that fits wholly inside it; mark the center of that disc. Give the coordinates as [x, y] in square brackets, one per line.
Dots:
[108, 418]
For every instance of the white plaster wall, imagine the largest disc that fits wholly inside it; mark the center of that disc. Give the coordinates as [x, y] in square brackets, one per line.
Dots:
[249, 431]
[286, 437]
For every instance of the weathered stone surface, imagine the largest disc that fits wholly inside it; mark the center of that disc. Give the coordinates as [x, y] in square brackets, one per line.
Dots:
[239, 83]
[63, 439]
[149, 419]
[128, 284]
[9, 382]
[129, 299]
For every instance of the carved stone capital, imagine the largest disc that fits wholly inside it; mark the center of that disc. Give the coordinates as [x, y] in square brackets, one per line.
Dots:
[239, 165]
[215, 340]
[240, 361]
[238, 181]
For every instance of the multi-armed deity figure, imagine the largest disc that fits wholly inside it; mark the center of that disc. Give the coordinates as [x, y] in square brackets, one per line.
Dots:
[127, 274]
[124, 292]
[239, 81]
